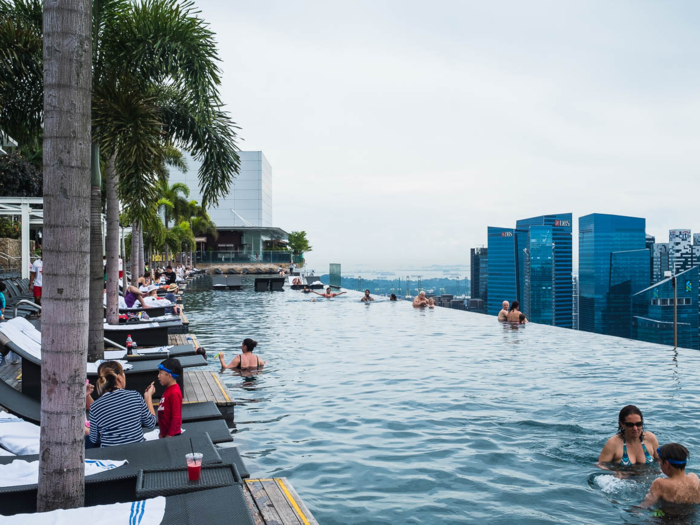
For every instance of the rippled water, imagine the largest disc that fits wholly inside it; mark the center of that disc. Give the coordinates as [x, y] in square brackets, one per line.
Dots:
[385, 414]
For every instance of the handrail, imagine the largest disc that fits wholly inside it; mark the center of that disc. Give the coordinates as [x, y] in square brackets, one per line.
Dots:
[115, 344]
[24, 301]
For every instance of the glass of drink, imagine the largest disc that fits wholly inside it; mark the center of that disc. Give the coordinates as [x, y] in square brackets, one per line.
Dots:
[194, 466]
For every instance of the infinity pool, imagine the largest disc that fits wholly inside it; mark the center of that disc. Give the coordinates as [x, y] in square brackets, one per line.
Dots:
[385, 414]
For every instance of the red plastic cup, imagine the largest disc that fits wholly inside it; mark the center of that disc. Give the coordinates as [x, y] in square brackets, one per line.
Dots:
[194, 466]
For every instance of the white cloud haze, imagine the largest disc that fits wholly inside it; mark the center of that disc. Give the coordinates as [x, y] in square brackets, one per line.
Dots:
[399, 130]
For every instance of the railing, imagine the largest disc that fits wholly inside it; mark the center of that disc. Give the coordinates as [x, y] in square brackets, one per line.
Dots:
[272, 257]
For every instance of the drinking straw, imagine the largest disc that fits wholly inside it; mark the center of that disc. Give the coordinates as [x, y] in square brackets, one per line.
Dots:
[192, 446]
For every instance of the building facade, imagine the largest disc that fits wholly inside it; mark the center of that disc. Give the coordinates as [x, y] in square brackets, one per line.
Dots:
[601, 236]
[680, 250]
[653, 311]
[479, 270]
[503, 276]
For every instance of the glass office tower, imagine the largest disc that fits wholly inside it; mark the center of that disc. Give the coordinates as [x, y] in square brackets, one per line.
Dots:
[653, 311]
[503, 278]
[479, 273]
[601, 236]
[547, 293]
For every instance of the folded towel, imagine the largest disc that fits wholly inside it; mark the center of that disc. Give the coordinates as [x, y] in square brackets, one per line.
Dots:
[21, 472]
[120, 354]
[18, 436]
[130, 326]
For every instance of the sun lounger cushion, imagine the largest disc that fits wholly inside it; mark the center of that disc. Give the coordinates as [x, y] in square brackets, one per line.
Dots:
[18, 436]
[21, 472]
[145, 512]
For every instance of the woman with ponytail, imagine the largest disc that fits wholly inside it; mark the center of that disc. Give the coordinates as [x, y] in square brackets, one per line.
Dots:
[118, 415]
[246, 359]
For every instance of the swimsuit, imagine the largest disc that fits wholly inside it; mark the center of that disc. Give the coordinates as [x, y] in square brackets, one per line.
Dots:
[648, 458]
[256, 357]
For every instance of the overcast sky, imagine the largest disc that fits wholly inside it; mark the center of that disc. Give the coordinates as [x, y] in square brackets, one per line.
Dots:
[399, 130]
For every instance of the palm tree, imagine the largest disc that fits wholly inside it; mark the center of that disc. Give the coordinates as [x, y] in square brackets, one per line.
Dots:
[174, 204]
[67, 85]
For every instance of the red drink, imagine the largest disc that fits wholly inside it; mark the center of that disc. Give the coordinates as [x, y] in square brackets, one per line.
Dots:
[194, 472]
[194, 466]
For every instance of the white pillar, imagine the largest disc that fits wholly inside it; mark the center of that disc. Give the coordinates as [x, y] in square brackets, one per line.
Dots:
[25, 239]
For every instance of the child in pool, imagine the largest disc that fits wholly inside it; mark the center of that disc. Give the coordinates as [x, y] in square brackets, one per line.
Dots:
[678, 487]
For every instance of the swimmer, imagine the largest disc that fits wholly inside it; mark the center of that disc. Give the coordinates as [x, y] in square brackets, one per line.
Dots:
[244, 360]
[523, 319]
[513, 313]
[306, 289]
[328, 293]
[503, 314]
[629, 446]
[393, 297]
[367, 297]
[422, 301]
[678, 487]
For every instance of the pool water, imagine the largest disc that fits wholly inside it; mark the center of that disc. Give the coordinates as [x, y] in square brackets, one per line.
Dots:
[383, 413]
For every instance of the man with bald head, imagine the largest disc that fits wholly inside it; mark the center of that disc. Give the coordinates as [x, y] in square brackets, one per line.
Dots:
[421, 301]
[503, 314]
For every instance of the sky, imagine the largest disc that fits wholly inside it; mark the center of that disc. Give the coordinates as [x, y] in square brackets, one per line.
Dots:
[398, 131]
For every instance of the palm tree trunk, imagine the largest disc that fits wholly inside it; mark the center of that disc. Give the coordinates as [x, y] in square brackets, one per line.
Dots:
[124, 283]
[167, 250]
[134, 253]
[96, 345]
[112, 243]
[142, 257]
[67, 27]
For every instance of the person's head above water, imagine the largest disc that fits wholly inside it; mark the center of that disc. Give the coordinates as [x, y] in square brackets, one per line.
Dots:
[514, 306]
[328, 290]
[392, 297]
[673, 455]
[248, 345]
[422, 294]
[630, 423]
[366, 292]
[505, 305]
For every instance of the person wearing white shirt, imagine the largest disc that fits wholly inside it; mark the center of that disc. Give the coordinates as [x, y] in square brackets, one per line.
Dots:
[35, 280]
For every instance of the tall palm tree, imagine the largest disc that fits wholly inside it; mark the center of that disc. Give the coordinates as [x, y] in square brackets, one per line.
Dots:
[66, 255]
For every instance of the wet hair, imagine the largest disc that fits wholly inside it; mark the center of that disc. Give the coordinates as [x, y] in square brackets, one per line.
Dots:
[628, 411]
[392, 297]
[249, 344]
[515, 305]
[107, 376]
[366, 291]
[676, 453]
[522, 317]
[3, 287]
[173, 365]
[328, 288]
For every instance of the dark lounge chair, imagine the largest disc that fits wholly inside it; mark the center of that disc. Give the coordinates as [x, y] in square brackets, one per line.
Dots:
[144, 334]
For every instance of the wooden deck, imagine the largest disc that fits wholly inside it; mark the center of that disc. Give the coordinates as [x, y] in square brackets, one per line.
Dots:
[12, 375]
[274, 501]
[206, 386]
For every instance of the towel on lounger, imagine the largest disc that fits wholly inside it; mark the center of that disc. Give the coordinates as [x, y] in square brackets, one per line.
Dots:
[21, 472]
[17, 435]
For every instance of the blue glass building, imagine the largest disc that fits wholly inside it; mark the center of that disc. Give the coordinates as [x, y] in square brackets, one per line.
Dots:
[503, 278]
[533, 264]
[653, 311]
[547, 294]
[602, 239]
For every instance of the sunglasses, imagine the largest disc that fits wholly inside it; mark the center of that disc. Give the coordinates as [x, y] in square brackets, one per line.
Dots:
[638, 424]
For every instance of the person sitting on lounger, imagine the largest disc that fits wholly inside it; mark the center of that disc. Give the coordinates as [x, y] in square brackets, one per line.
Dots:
[244, 360]
[422, 301]
[170, 296]
[328, 293]
[133, 294]
[118, 416]
[367, 297]
[170, 407]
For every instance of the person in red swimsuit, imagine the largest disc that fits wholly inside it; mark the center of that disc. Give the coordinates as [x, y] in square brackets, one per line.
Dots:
[328, 293]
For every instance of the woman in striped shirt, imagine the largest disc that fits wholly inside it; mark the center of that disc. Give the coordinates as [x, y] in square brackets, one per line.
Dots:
[118, 415]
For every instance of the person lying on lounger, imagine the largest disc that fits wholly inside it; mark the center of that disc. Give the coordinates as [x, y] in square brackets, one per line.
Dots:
[328, 293]
[133, 294]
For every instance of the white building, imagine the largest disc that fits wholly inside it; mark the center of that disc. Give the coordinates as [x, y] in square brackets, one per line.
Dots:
[243, 218]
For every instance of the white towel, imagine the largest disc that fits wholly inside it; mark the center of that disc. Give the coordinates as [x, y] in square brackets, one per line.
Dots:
[4, 452]
[120, 354]
[21, 472]
[18, 436]
[27, 339]
[153, 434]
[122, 303]
[129, 326]
[155, 301]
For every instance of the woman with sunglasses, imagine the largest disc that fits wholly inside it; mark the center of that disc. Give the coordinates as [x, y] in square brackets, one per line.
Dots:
[631, 445]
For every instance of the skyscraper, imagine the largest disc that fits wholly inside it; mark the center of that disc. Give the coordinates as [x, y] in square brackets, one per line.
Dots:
[600, 237]
[681, 251]
[660, 262]
[503, 276]
[532, 263]
[479, 273]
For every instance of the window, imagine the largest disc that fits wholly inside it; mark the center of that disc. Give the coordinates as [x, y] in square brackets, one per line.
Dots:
[664, 302]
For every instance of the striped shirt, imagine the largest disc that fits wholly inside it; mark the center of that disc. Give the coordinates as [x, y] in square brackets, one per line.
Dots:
[117, 418]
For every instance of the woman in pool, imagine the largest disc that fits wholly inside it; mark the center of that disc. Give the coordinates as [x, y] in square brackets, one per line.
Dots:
[514, 312]
[631, 445]
[246, 359]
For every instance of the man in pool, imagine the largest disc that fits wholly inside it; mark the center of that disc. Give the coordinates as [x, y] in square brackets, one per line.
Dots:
[678, 487]
[503, 314]
[367, 297]
[422, 301]
[328, 293]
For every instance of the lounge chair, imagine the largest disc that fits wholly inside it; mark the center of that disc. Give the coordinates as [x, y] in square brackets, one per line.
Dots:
[117, 485]
[145, 334]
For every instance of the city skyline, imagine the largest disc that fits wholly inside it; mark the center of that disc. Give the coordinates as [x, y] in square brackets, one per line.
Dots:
[400, 138]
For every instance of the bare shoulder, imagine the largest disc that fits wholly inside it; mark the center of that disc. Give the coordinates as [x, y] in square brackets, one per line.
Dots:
[651, 438]
[613, 442]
